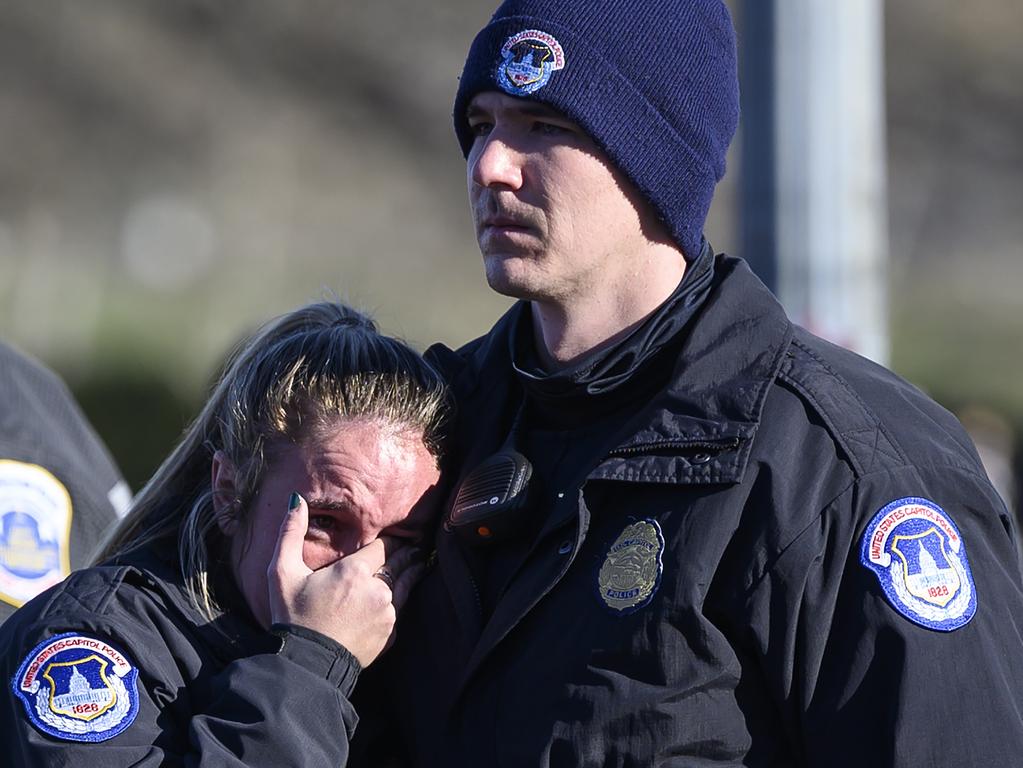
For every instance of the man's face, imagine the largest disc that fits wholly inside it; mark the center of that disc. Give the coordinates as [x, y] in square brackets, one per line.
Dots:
[554, 220]
[363, 481]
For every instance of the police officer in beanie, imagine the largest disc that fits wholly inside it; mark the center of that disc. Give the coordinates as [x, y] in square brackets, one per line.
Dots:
[683, 531]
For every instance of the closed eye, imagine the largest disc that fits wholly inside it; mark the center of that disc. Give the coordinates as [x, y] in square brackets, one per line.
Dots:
[325, 523]
[328, 516]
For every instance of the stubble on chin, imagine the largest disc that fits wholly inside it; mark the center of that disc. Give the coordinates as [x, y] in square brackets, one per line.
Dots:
[517, 276]
[495, 268]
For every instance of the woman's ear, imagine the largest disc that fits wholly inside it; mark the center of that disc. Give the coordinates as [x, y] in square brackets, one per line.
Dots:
[225, 496]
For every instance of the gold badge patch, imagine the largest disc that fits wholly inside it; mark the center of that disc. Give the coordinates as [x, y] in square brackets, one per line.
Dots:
[632, 569]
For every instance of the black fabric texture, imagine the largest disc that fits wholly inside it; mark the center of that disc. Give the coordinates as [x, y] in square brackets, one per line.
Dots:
[762, 639]
[220, 692]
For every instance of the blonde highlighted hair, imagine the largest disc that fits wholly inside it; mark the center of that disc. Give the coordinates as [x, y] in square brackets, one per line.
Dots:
[293, 381]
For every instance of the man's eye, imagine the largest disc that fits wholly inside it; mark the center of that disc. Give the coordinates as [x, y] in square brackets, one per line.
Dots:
[548, 129]
[481, 128]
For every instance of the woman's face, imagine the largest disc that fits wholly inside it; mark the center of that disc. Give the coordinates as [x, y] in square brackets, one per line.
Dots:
[365, 480]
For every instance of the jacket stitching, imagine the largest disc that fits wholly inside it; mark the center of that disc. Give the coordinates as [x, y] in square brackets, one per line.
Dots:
[815, 395]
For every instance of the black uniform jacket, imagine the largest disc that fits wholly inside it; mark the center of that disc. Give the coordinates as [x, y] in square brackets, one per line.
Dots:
[75, 491]
[221, 693]
[754, 633]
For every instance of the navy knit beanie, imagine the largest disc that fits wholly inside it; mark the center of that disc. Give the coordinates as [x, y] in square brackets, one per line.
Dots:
[654, 82]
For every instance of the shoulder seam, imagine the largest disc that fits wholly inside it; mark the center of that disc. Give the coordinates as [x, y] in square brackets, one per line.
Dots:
[872, 438]
[95, 600]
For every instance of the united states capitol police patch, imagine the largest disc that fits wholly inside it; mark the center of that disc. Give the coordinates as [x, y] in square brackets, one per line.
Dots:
[35, 531]
[78, 688]
[916, 551]
[631, 572]
[528, 60]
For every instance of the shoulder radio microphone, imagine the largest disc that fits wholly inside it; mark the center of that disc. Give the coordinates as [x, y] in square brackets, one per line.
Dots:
[490, 497]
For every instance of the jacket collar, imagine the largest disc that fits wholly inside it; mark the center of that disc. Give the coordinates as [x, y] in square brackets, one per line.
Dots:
[699, 428]
[710, 410]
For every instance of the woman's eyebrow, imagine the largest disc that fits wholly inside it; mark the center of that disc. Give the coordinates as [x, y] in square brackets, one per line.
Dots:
[331, 505]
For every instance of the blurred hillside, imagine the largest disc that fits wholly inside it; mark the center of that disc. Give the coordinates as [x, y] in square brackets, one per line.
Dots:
[177, 172]
[955, 121]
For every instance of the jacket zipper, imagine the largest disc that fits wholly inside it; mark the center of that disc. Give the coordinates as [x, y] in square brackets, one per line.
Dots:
[719, 446]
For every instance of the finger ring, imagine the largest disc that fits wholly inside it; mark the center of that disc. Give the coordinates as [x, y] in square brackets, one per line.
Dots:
[384, 574]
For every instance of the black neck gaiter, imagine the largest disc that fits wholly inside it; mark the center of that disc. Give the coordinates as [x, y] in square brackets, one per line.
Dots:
[610, 378]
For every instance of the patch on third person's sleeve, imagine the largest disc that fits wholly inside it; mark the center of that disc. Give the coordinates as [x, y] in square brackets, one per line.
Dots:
[78, 688]
[35, 531]
[916, 551]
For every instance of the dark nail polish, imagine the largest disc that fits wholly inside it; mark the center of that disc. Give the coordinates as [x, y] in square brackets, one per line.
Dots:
[294, 501]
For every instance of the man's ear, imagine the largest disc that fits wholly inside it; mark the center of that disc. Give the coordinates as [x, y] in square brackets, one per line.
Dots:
[225, 496]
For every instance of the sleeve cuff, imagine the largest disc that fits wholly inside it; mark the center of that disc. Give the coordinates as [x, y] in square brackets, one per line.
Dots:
[319, 654]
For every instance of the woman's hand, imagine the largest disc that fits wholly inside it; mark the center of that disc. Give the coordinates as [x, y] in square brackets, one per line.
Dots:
[354, 600]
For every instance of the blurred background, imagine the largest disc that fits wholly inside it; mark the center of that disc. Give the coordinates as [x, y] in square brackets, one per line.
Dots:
[174, 173]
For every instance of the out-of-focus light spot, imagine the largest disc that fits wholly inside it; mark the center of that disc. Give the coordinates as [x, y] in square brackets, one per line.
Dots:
[167, 242]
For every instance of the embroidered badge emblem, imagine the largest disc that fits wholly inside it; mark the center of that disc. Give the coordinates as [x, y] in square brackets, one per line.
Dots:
[632, 569]
[528, 60]
[78, 688]
[916, 551]
[35, 531]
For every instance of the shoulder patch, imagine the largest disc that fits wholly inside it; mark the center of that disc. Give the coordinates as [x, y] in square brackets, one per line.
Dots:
[631, 572]
[917, 554]
[528, 60]
[78, 688]
[35, 531]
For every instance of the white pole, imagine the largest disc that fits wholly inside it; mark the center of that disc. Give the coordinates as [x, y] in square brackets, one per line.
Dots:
[831, 183]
